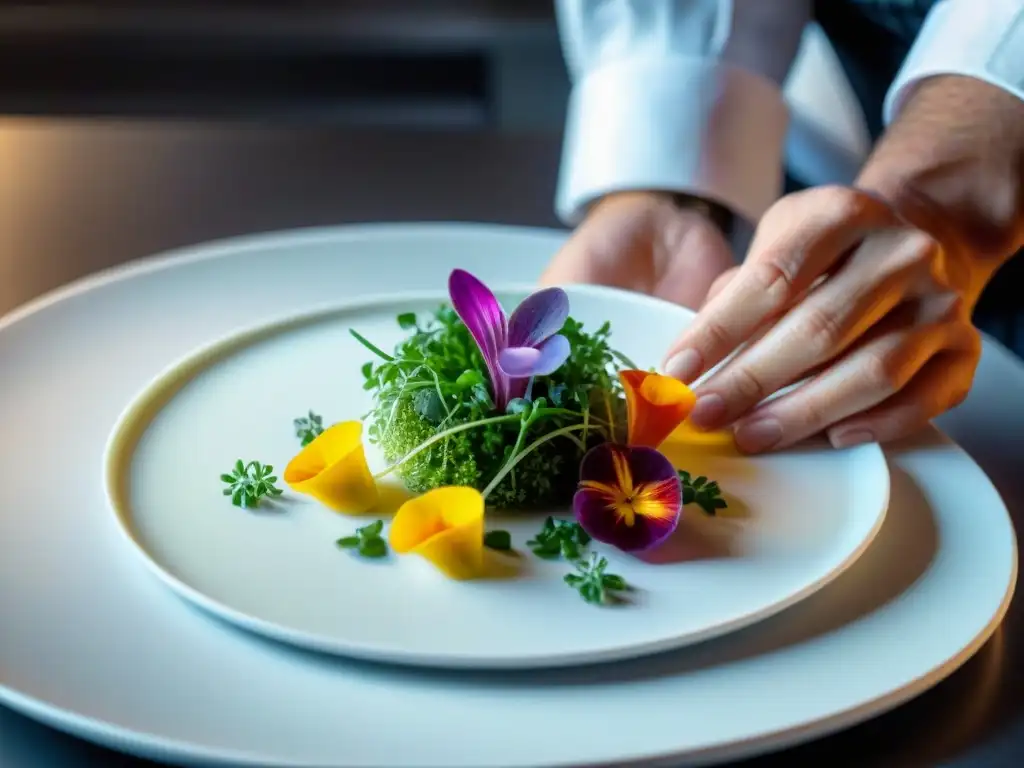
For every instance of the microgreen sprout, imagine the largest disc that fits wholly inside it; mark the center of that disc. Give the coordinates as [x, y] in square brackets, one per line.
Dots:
[308, 428]
[592, 583]
[248, 483]
[706, 495]
[559, 538]
[367, 541]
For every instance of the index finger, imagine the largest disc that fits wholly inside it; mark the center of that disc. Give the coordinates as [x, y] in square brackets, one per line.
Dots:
[800, 238]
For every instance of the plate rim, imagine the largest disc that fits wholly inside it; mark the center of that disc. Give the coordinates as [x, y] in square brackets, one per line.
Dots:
[133, 421]
[233, 245]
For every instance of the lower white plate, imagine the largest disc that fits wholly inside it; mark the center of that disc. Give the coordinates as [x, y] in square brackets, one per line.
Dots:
[94, 645]
[796, 519]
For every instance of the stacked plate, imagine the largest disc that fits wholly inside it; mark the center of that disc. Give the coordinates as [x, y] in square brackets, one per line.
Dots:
[141, 609]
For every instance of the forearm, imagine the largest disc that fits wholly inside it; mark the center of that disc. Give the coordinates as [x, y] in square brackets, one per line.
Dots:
[953, 156]
[954, 161]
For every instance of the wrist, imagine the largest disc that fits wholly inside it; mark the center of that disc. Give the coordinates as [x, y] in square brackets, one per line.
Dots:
[953, 165]
[717, 214]
[713, 211]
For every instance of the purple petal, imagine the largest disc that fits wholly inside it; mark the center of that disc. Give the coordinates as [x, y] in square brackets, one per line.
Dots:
[480, 311]
[516, 388]
[524, 362]
[519, 362]
[539, 316]
[553, 353]
[657, 497]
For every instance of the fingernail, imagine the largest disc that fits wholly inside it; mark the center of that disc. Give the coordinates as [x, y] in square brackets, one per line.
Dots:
[684, 365]
[708, 411]
[850, 437]
[757, 436]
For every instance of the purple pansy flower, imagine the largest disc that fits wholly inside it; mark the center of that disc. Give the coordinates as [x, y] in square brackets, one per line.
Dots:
[518, 348]
[629, 496]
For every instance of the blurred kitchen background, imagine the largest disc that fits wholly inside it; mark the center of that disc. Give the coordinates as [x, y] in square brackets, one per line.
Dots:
[438, 65]
[449, 64]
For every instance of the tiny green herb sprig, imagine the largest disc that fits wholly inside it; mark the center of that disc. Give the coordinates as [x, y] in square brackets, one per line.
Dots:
[559, 538]
[248, 483]
[567, 539]
[706, 495]
[594, 585]
[367, 541]
[308, 428]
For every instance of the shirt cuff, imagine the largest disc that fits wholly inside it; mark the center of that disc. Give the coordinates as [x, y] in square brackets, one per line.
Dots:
[984, 40]
[677, 124]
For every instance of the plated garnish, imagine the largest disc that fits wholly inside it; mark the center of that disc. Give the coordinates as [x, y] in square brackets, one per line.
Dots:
[249, 482]
[309, 427]
[593, 583]
[366, 541]
[479, 409]
[506, 404]
[559, 538]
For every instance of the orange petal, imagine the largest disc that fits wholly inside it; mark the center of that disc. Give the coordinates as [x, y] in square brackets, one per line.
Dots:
[445, 526]
[655, 406]
[333, 470]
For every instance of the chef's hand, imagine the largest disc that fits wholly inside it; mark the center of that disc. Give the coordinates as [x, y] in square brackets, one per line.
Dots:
[865, 294]
[887, 330]
[642, 241]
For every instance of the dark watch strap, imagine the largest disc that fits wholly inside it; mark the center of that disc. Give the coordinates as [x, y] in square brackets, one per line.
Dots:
[721, 216]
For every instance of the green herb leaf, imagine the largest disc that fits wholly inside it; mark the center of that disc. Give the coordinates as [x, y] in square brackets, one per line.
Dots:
[371, 346]
[570, 549]
[500, 540]
[248, 483]
[407, 321]
[556, 538]
[706, 495]
[592, 583]
[613, 582]
[591, 591]
[375, 547]
[367, 541]
[309, 427]
[427, 403]
[468, 379]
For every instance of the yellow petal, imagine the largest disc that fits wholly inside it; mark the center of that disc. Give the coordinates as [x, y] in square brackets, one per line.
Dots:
[333, 470]
[445, 526]
[687, 434]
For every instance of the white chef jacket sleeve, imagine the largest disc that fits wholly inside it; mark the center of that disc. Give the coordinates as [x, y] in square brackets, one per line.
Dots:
[677, 95]
[974, 38]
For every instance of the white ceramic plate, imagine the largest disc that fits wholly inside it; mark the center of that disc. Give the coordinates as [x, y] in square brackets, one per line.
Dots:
[796, 521]
[90, 643]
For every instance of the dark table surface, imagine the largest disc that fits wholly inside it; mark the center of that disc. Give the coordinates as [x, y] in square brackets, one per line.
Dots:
[76, 197]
